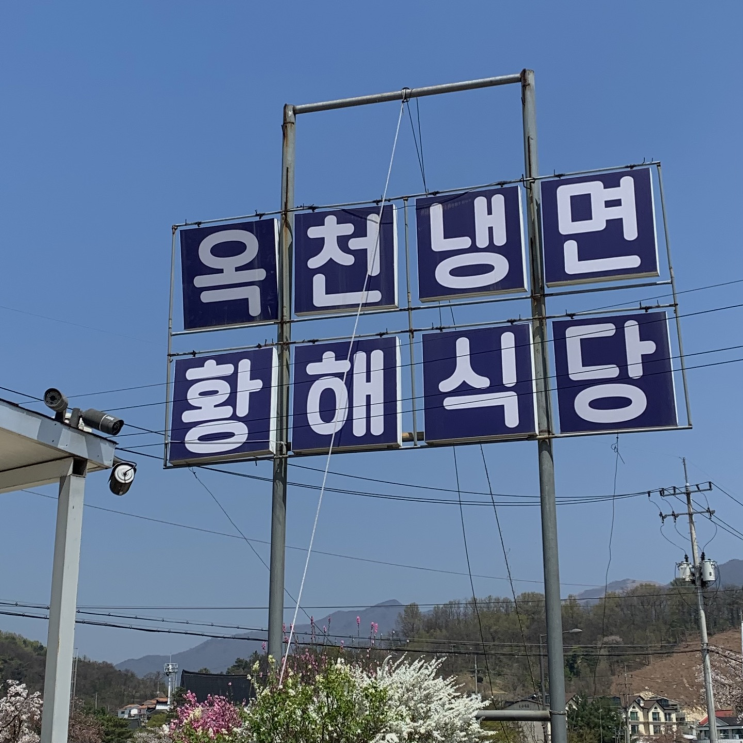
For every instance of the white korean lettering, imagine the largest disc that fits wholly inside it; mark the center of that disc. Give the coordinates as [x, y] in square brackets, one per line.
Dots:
[508, 400]
[329, 232]
[637, 403]
[214, 432]
[600, 212]
[508, 358]
[371, 389]
[245, 387]
[438, 241]
[210, 370]
[498, 270]
[573, 338]
[227, 265]
[370, 244]
[464, 374]
[207, 397]
[322, 298]
[236, 430]
[576, 265]
[486, 221]
[463, 371]
[328, 366]
[636, 348]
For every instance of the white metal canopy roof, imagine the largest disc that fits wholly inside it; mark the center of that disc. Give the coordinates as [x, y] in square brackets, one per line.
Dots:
[37, 450]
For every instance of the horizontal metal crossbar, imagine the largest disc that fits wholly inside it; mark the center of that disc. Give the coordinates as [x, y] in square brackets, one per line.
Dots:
[674, 490]
[407, 93]
[514, 715]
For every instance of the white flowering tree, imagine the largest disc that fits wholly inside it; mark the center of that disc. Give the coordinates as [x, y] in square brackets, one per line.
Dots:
[727, 684]
[326, 700]
[20, 714]
[422, 706]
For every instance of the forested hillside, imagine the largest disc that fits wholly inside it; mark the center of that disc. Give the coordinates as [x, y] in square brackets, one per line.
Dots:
[23, 660]
[618, 633]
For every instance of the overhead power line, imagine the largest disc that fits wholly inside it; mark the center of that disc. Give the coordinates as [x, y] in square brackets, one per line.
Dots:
[517, 345]
[422, 397]
[532, 500]
[303, 549]
[407, 648]
[163, 384]
[487, 602]
[415, 363]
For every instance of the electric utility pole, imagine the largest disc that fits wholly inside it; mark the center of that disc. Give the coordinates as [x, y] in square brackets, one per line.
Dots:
[701, 573]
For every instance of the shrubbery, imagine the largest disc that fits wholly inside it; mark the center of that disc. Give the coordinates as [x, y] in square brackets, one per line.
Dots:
[323, 699]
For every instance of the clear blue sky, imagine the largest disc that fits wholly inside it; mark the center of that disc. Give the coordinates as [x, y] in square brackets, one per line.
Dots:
[120, 119]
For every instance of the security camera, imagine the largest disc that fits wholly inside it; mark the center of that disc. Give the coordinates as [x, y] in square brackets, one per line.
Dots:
[92, 418]
[103, 422]
[55, 400]
[122, 477]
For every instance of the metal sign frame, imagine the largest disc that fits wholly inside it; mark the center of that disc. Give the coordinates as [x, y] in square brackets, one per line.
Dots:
[537, 293]
[414, 438]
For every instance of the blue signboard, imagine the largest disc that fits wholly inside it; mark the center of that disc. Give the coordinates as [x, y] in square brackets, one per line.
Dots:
[343, 259]
[599, 227]
[224, 407]
[470, 244]
[352, 399]
[478, 384]
[229, 274]
[614, 373]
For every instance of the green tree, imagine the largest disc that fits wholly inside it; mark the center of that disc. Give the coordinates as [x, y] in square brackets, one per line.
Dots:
[113, 729]
[594, 720]
[156, 721]
[410, 622]
[244, 666]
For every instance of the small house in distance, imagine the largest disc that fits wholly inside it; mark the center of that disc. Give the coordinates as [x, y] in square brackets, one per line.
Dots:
[729, 727]
[138, 714]
[649, 715]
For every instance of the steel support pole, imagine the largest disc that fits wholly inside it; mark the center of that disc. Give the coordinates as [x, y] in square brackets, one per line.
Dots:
[542, 693]
[553, 605]
[706, 667]
[280, 462]
[62, 607]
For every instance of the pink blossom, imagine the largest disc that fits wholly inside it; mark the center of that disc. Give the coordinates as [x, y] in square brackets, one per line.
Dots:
[216, 716]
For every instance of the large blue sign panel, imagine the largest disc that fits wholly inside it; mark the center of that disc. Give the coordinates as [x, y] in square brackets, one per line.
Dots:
[478, 384]
[343, 259]
[229, 274]
[224, 407]
[470, 244]
[355, 396]
[614, 373]
[599, 227]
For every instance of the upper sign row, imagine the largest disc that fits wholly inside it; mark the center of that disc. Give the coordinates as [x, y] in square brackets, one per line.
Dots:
[594, 228]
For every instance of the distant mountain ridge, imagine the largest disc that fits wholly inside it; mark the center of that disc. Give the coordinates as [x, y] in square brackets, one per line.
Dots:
[729, 573]
[219, 654]
[617, 586]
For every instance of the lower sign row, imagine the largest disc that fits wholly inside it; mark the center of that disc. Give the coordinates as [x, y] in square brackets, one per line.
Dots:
[612, 373]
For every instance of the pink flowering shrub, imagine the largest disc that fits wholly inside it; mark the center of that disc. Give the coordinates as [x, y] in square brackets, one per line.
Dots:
[216, 719]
